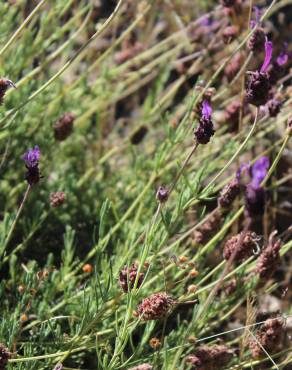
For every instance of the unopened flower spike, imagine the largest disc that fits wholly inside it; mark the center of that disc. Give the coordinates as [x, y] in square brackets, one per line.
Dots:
[268, 56]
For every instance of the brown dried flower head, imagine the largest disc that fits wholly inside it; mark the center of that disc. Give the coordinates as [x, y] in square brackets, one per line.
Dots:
[4, 85]
[269, 259]
[57, 199]
[245, 248]
[269, 336]
[4, 356]
[229, 194]
[128, 276]
[210, 357]
[142, 367]
[155, 306]
[64, 126]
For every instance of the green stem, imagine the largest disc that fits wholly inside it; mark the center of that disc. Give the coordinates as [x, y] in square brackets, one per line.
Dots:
[22, 26]
[16, 217]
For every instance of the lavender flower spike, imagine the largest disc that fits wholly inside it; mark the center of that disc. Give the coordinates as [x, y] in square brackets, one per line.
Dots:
[32, 157]
[206, 109]
[255, 196]
[268, 57]
[259, 171]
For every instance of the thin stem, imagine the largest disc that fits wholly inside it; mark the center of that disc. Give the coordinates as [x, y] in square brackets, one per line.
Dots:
[21, 27]
[276, 161]
[186, 161]
[263, 349]
[16, 217]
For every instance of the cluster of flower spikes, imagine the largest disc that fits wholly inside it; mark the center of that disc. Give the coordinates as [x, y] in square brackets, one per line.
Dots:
[31, 159]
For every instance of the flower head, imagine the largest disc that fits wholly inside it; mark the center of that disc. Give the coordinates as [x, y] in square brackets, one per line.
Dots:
[4, 356]
[205, 130]
[128, 277]
[31, 159]
[255, 195]
[4, 85]
[64, 126]
[155, 306]
[259, 171]
[270, 258]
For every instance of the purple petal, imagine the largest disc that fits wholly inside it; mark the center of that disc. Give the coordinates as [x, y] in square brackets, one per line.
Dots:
[268, 57]
[245, 167]
[205, 20]
[282, 59]
[32, 157]
[206, 110]
[259, 171]
[253, 23]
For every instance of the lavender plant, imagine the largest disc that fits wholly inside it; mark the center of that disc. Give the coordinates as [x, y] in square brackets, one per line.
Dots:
[102, 266]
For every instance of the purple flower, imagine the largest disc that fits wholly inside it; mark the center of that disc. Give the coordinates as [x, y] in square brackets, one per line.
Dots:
[206, 109]
[205, 130]
[32, 157]
[258, 85]
[268, 56]
[259, 171]
[253, 23]
[254, 193]
[282, 59]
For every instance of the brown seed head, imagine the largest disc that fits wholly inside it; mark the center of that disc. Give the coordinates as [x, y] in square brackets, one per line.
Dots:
[128, 276]
[155, 306]
[57, 199]
[4, 356]
[64, 126]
